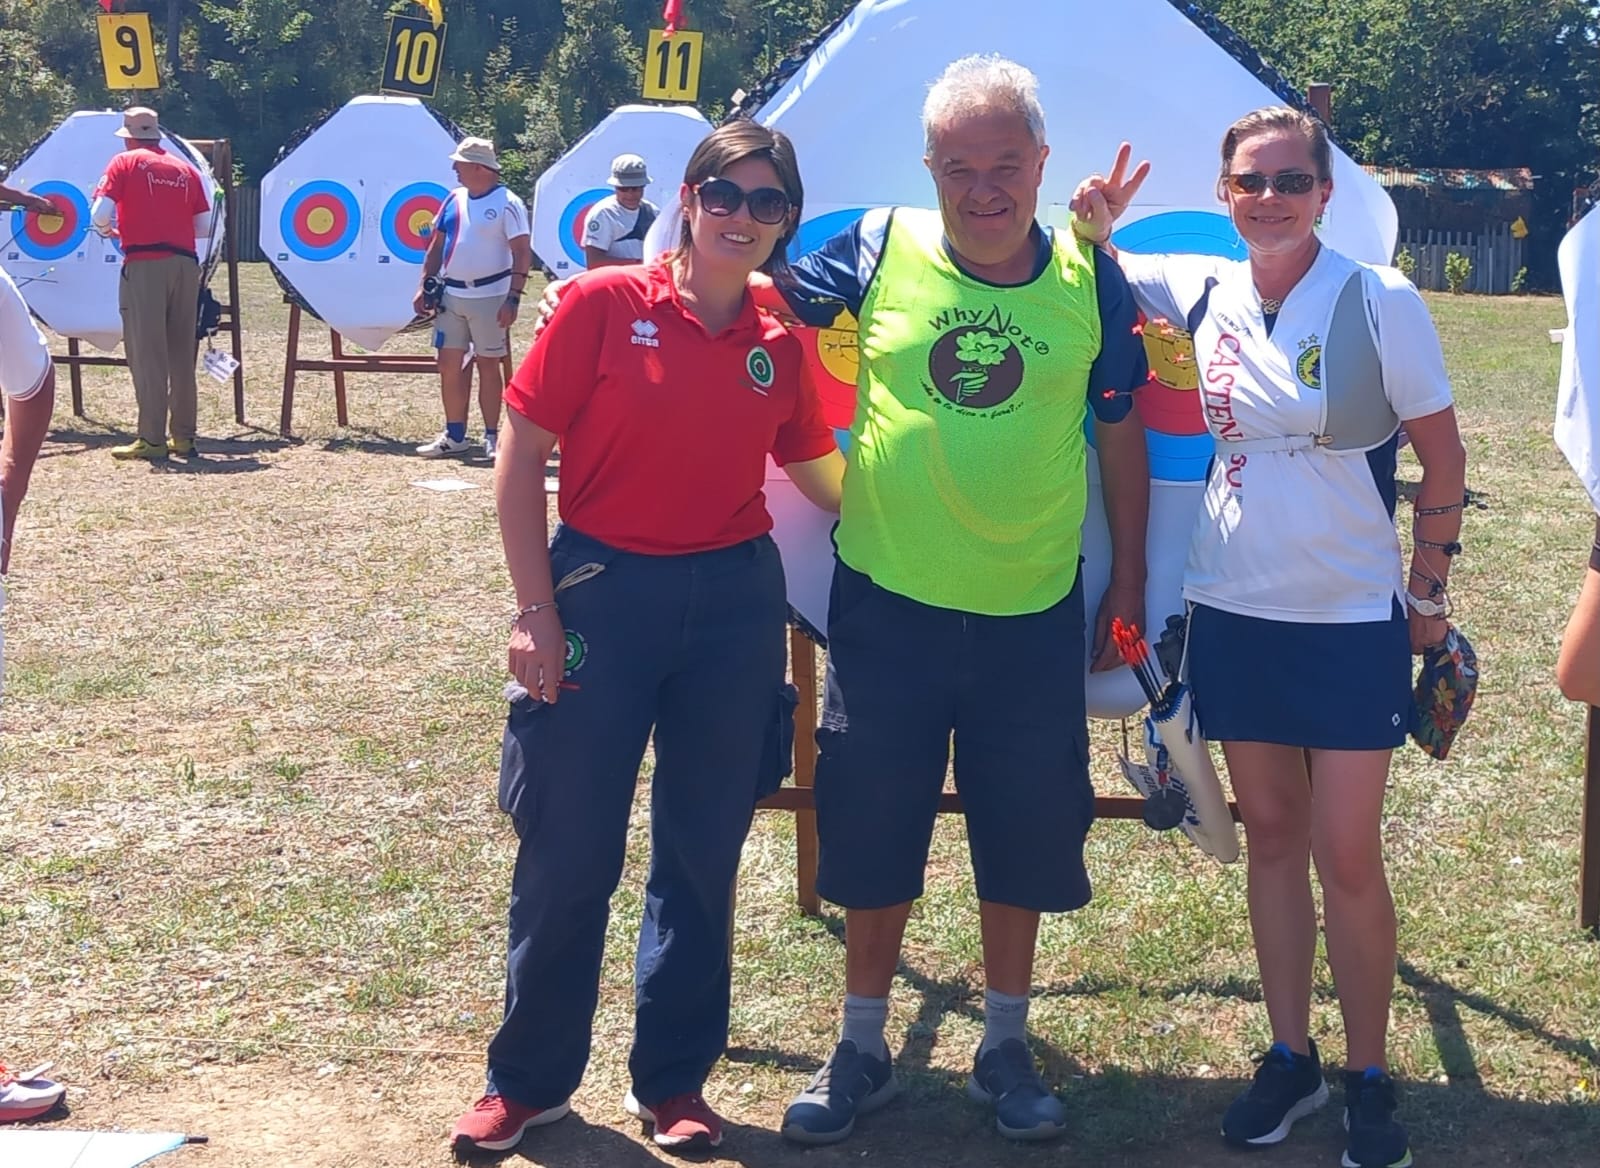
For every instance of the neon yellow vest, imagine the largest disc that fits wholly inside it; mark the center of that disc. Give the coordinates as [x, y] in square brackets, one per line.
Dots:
[965, 486]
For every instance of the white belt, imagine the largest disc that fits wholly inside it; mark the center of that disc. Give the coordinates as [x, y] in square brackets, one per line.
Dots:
[1289, 443]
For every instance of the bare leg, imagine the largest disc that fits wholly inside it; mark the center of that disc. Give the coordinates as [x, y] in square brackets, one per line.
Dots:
[1009, 935]
[872, 939]
[491, 388]
[1347, 806]
[455, 384]
[1274, 793]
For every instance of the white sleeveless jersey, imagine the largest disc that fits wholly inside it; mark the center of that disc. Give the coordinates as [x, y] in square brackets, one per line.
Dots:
[1304, 535]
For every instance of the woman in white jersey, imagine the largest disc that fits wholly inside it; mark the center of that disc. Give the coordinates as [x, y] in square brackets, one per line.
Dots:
[1302, 618]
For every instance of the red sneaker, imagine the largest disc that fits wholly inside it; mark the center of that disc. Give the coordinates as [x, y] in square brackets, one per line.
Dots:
[27, 1096]
[496, 1124]
[684, 1123]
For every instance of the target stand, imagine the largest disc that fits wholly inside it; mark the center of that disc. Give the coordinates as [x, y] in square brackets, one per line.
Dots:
[219, 151]
[341, 363]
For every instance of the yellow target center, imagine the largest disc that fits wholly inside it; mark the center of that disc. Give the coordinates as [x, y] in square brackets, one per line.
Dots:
[52, 223]
[420, 222]
[837, 346]
[320, 221]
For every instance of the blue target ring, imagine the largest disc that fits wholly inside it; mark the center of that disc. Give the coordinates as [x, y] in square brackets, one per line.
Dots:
[320, 221]
[39, 243]
[1183, 232]
[815, 232]
[570, 228]
[403, 233]
[1178, 457]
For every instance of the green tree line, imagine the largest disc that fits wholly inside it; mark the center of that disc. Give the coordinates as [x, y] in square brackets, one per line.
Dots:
[1457, 83]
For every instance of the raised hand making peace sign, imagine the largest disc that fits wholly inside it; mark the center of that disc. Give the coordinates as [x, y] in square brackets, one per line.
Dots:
[1099, 201]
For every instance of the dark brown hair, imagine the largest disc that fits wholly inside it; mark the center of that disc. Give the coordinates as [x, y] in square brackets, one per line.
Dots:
[1277, 119]
[734, 142]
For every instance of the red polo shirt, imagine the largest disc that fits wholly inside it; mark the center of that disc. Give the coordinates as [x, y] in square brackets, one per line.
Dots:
[157, 198]
[665, 429]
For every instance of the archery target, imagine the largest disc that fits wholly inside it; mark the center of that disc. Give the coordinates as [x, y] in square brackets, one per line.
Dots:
[573, 219]
[347, 213]
[665, 136]
[320, 221]
[50, 237]
[67, 272]
[407, 219]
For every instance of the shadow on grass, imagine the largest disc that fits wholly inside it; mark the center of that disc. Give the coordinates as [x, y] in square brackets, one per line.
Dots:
[1121, 1117]
[1115, 1120]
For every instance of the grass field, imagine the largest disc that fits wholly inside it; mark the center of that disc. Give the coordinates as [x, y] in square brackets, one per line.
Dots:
[254, 877]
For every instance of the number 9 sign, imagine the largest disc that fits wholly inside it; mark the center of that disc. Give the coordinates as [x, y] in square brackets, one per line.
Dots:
[128, 51]
[416, 50]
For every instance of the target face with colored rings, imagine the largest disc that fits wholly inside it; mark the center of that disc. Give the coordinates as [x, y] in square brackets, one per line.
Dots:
[571, 227]
[1177, 443]
[320, 221]
[408, 220]
[51, 237]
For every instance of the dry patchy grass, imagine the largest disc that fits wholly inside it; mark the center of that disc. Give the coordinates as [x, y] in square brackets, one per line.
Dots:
[256, 878]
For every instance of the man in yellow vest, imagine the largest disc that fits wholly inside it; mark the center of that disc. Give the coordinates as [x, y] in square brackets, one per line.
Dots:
[957, 610]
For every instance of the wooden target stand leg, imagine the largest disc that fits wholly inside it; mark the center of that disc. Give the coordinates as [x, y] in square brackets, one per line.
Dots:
[801, 798]
[341, 363]
[220, 153]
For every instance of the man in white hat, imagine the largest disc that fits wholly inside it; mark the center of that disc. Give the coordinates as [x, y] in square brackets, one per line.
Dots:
[614, 231]
[161, 208]
[476, 265]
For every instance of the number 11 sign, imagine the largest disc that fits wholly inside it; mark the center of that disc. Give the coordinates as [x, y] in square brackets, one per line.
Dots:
[672, 65]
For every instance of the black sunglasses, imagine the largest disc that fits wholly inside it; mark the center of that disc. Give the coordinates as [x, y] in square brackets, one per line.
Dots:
[720, 196]
[1293, 182]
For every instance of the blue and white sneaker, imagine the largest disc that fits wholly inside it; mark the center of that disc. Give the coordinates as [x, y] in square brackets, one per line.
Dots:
[1376, 1139]
[1007, 1080]
[1287, 1087]
[849, 1084]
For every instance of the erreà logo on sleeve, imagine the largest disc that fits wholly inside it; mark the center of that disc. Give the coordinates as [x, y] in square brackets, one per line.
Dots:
[644, 333]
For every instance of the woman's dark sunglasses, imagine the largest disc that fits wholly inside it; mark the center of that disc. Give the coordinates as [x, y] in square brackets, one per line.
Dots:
[1292, 182]
[720, 196]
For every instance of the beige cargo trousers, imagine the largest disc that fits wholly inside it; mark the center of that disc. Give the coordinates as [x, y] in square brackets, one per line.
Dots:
[159, 299]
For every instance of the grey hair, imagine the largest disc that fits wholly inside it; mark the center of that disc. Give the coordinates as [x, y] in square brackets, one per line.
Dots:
[983, 83]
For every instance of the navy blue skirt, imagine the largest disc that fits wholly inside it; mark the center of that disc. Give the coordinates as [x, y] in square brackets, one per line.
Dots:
[1322, 687]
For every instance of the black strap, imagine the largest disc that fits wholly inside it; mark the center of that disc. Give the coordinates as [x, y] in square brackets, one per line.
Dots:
[642, 224]
[166, 248]
[484, 282]
[1198, 312]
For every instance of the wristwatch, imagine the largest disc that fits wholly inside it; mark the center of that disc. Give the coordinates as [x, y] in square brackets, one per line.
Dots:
[1428, 607]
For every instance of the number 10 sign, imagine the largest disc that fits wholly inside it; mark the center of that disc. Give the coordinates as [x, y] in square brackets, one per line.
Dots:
[416, 49]
[672, 65]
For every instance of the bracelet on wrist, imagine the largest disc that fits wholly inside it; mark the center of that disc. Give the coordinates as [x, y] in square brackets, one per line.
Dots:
[530, 610]
[1428, 607]
[1594, 556]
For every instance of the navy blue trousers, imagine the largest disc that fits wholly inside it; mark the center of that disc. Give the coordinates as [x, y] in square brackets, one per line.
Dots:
[691, 646]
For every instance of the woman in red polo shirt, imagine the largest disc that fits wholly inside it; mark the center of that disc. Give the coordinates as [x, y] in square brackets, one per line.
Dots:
[659, 605]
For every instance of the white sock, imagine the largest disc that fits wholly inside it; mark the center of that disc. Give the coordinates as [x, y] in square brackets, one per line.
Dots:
[1004, 1016]
[864, 1021]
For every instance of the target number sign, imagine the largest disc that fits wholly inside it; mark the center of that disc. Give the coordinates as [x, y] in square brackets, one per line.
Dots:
[672, 65]
[416, 50]
[128, 51]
